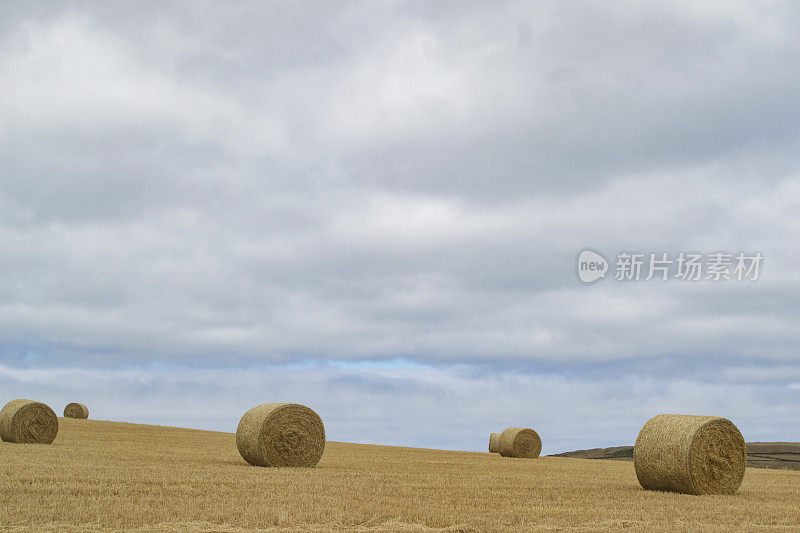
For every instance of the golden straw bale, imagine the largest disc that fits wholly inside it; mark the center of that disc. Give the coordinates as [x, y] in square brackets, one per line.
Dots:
[690, 454]
[281, 434]
[494, 442]
[26, 421]
[76, 410]
[520, 442]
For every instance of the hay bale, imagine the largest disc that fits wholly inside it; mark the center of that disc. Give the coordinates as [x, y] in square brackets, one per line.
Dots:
[690, 454]
[76, 410]
[494, 442]
[520, 442]
[281, 434]
[26, 421]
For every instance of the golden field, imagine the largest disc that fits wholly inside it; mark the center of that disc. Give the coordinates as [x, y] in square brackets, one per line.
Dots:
[118, 476]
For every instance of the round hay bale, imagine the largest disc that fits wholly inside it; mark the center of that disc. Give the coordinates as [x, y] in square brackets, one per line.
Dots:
[520, 442]
[494, 442]
[76, 410]
[690, 454]
[281, 434]
[26, 421]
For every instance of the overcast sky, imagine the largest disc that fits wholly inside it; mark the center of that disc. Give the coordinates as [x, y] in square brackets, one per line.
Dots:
[375, 208]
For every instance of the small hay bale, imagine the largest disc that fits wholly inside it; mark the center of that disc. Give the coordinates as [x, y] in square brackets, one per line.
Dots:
[76, 410]
[690, 454]
[26, 421]
[520, 442]
[494, 442]
[281, 434]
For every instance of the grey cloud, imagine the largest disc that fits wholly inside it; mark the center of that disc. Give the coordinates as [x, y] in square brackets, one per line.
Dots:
[393, 275]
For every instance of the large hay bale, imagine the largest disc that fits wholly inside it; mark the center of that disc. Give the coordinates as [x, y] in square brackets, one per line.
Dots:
[281, 434]
[690, 454]
[494, 442]
[520, 442]
[76, 410]
[26, 421]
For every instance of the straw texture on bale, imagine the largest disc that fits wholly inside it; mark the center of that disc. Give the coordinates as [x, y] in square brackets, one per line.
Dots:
[76, 410]
[494, 442]
[690, 454]
[281, 434]
[26, 421]
[520, 442]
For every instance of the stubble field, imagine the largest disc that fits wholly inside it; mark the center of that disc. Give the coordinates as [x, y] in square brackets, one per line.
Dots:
[117, 476]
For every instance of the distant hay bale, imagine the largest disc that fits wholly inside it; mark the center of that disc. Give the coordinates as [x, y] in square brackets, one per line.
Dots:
[26, 421]
[76, 410]
[690, 454]
[281, 434]
[494, 442]
[520, 442]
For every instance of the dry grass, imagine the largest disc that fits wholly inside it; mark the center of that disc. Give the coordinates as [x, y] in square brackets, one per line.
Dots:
[104, 475]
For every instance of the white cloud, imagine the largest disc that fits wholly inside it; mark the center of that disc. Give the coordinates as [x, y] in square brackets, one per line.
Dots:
[231, 186]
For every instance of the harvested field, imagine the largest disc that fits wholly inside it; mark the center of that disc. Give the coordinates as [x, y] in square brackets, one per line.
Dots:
[117, 476]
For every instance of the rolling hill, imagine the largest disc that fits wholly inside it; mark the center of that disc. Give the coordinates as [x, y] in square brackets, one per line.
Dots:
[781, 455]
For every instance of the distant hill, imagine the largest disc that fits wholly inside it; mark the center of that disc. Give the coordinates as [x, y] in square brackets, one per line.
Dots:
[784, 455]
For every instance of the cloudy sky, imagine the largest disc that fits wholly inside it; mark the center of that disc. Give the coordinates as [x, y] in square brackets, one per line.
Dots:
[375, 209]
